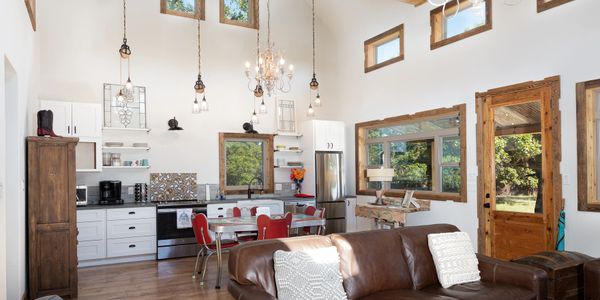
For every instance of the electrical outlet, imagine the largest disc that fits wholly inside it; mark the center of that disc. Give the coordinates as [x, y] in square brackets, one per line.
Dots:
[130, 190]
[278, 187]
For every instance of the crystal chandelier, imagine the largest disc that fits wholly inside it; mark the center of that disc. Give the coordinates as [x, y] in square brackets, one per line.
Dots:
[270, 71]
[125, 95]
[199, 86]
[444, 3]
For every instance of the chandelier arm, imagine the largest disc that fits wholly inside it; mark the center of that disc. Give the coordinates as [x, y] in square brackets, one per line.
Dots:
[437, 4]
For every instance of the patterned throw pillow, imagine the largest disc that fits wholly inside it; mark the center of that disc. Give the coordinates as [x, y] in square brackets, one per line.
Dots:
[309, 274]
[454, 258]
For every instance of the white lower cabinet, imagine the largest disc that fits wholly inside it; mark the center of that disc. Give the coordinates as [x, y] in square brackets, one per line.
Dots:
[351, 214]
[115, 235]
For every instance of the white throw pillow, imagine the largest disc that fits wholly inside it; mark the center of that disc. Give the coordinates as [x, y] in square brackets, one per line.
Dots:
[454, 258]
[309, 274]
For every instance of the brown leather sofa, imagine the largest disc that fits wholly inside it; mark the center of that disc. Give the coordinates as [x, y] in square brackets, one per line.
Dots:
[592, 279]
[384, 264]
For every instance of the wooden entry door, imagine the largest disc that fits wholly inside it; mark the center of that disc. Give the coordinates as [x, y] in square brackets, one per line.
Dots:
[518, 158]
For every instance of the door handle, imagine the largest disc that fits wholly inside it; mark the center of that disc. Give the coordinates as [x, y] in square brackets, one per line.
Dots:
[69, 129]
[487, 205]
[75, 129]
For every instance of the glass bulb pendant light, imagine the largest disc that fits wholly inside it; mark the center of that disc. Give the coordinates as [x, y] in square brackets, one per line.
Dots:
[311, 111]
[318, 101]
[263, 107]
[254, 119]
[196, 106]
[199, 86]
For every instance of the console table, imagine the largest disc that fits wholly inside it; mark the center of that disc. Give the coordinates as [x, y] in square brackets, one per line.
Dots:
[389, 215]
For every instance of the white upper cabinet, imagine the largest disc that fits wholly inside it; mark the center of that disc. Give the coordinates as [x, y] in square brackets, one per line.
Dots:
[87, 119]
[75, 119]
[329, 135]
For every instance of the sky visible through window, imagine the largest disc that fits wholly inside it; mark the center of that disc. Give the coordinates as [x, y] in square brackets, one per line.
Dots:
[387, 51]
[237, 10]
[466, 19]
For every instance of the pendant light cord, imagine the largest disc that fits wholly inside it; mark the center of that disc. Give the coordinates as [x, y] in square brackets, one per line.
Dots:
[313, 38]
[199, 51]
[269, 23]
[124, 19]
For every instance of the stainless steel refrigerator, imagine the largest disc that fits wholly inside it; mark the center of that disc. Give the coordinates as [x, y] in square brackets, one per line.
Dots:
[330, 189]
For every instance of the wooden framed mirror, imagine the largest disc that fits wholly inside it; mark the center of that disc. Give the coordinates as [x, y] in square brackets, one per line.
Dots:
[588, 114]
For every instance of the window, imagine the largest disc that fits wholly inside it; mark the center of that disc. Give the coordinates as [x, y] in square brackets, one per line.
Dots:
[184, 8]
[588, 145]
[240, 12]
[426, 151]
[384, 49]
[454, 24]
[245, 159]
[543, 5]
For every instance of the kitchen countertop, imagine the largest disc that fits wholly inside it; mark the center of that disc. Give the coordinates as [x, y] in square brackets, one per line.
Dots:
[201, 202]
[124, 205]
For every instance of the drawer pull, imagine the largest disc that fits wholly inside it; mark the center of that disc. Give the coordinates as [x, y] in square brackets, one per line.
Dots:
[132, 228]
[132, 212]
[220, 216]
[132, 246]
[220, 208]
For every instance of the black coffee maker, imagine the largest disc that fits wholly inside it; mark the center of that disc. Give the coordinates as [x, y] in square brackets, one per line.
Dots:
[110, 192]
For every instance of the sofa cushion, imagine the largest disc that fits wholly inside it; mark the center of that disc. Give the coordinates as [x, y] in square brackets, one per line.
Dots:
[371, 261]
[252, 263]
[482, 290]
[309, 274]
[454, 258]
[405, 295]
[416, 253]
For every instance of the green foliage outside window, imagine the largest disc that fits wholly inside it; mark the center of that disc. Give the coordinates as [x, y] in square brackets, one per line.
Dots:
[237, 10]
[518, 164]
[412, 165]
[244, 160]
[187, 6]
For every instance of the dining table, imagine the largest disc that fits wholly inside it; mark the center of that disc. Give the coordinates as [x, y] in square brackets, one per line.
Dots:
[226, 225]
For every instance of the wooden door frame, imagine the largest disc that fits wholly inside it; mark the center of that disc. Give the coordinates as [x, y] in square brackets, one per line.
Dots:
[551, 88]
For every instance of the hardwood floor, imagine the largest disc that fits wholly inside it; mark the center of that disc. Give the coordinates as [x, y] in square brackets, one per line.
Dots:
[168, 279]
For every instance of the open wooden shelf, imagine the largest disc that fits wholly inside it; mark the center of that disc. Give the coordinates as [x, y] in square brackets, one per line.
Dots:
[126, 167]
[126, 148]
[116, 129]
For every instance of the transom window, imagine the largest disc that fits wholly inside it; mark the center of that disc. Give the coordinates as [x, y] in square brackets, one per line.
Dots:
[239, 12]
[457, 22]
[183, 8]
[246, 159]
[426, 151]
[384, 49]
[543, 5]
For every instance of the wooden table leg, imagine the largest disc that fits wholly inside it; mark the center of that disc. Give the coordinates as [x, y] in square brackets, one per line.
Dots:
[219, 259]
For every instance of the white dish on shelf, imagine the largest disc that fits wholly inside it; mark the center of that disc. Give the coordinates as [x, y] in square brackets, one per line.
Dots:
[113, 144]
[140, 145]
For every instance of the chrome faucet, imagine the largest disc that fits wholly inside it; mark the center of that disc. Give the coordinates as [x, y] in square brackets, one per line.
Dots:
[262, 185]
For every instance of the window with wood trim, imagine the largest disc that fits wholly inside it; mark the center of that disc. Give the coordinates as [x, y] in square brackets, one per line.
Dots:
[426, 150]
[384, 49]
[588, 145]
[246, 159]
[455, 22]
[543, 5]
[183, 8]
[239, 12]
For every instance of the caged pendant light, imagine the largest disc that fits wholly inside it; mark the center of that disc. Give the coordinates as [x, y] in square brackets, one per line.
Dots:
[199, 86]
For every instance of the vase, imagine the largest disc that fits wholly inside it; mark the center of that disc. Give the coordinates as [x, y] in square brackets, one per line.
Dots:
[298, 188]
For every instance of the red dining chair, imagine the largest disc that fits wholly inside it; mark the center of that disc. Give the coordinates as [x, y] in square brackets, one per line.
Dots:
[244, 236]
[206, 242]
[313, 211]
[269, 228]
[253, 211]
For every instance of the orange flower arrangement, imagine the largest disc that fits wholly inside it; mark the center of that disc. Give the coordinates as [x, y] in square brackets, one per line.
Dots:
[297, 175]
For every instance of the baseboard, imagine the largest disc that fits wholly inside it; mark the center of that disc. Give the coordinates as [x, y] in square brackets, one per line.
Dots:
[116, 260]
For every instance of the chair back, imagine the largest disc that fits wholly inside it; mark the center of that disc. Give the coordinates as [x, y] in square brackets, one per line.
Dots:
[253, 211]
[200, 226]
[273, 228]
[237, 212]
[320, 212]
[310, 210]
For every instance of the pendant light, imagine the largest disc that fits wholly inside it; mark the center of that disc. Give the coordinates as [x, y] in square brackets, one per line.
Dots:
[125, 50]
[262, 108]
[199, 86]
[314, 83]
[254, 118]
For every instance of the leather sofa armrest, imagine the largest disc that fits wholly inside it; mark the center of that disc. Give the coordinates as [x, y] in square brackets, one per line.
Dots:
[248, 292]
[504, 272]
[592, 279]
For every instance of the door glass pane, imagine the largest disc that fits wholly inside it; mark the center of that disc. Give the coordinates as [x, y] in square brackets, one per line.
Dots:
[518, 158]
[412, 161]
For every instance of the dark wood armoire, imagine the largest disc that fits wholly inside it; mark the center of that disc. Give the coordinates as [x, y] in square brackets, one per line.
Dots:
[52, 219]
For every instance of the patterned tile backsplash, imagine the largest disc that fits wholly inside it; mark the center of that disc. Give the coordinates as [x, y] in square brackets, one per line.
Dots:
[172, 186]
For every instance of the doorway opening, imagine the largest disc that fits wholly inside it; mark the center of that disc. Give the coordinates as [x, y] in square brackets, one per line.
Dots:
[518, 158]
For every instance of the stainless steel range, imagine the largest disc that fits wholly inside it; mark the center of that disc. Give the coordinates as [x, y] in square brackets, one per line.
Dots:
[173, 242]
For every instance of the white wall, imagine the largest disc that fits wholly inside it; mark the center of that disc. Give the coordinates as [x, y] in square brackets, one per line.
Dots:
[80, 40]
[522, 46]
[18, 57]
